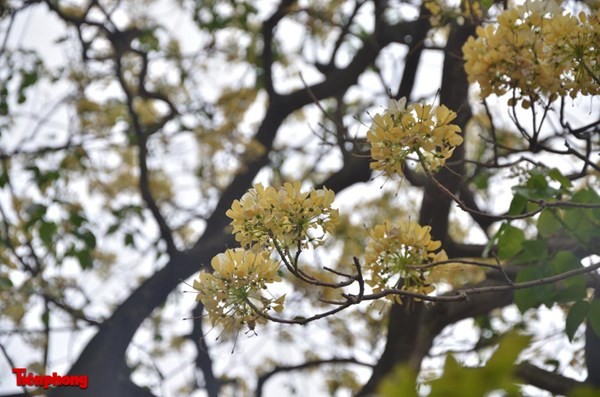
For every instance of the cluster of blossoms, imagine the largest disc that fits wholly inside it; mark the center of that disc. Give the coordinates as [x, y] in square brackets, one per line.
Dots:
[264, 220]
[233, 293]
[537, 50]
[396, 257]
[420, 130]
[282, 218]
[443, 11]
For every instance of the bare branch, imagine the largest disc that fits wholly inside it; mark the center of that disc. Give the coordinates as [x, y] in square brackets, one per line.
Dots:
[306, 365]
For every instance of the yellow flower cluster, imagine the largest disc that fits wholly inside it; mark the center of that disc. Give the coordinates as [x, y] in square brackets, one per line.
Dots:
[233, 292]
[421, 130]
[395, 257]
[442, 11]
[538, 51]
[269, 218]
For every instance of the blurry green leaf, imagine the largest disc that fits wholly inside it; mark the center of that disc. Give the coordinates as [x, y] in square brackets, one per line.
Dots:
[533, 251]
[572, 288]
[594, 316]
[481, 180]
[497, 374]
[47, 232]
[510, 241]
[584, 391]
[588, 196]
[129, 240]
[3, 178]
[148, 41]
[5, 282]
[503, 359]
[76, 219]
[579, 224]
[36, 211]
[486, 4]
[45, 317]
[537, 187]
[458, 381]
[400, 382]
[556, 175]
[85, 259]
[548, 223]
[517, 205]
[113, 228]
[527, 298]
[28, 78]
[583, 223]
[575, 317]
[89, 239]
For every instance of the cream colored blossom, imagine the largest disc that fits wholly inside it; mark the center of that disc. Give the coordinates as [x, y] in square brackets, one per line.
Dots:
[444, 11]
[537, 51]
[238, 282]
[269, 218]
[395, 256]
[420, 130]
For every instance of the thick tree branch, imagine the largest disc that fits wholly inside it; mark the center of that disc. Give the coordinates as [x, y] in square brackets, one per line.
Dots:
[411, 344]
[267, 53]
[553, 382]
[103, 357]
[306, 365]
[203, 360]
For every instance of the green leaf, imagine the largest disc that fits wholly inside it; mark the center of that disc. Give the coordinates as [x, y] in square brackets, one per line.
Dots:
[503, 359]
[594, 316]
[47, 232]
[577, 314]
[113, 228]
[537, 187]
[584, 391]
[5, 282]
[517, 205]
[149, 41]
[572, 288]
[3, 178]
[481, 180]
[400, 382]
[28, 79]
[458, 381]
[527, 298]
[556, 175]
[76, 219]
[548, 223]
[510, 241]
[588, 196]
[129, 240]
[85, 259]
[45, 317]
[498, 373]
[583, 223]
[533, 250]
[486, 4]
[579, 225]
[89, 239]
[36, 211]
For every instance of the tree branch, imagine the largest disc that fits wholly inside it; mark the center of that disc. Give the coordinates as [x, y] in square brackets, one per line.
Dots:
[203, 359]
[553, 382]
[308, 364]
